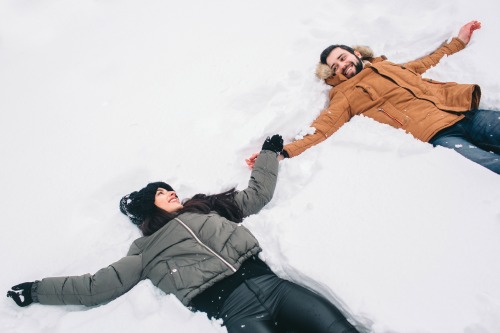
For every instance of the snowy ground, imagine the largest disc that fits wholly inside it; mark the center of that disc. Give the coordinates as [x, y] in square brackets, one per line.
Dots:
[97, 98]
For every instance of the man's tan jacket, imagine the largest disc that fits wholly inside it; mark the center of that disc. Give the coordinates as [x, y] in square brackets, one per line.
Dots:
[397, 95]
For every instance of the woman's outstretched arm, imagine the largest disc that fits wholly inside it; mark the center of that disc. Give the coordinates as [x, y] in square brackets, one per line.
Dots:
[263, 179]
[104, 286]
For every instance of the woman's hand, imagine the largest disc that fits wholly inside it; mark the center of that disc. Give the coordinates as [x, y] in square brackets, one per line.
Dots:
[466, 31]
[23, 289]
[274, 143]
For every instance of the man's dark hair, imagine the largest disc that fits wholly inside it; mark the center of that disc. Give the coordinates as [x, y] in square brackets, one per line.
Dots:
[326, 52]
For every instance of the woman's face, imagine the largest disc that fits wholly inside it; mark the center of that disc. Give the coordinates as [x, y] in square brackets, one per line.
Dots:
[167, 200]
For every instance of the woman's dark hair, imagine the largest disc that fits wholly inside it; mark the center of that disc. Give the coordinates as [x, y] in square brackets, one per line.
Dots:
[222, 203]
[326, 52]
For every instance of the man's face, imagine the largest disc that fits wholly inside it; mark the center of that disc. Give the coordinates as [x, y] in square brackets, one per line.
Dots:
[344, 62]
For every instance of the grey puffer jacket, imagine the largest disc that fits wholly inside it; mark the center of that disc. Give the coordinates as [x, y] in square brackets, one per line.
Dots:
[184, 258]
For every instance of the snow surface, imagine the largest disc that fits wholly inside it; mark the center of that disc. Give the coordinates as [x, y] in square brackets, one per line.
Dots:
[100, 97]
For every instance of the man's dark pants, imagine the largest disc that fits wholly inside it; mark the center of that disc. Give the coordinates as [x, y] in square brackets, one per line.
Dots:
[477, 137]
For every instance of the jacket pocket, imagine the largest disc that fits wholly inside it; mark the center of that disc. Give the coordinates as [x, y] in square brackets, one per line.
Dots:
[368, 90]
[166, 278]
[388, 114]
[174, 275]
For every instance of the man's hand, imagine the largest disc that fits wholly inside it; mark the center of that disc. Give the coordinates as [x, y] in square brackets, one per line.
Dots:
[251, 160]
[466, 31]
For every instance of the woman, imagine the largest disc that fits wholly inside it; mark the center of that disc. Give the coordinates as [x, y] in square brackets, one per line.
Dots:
[199, 252]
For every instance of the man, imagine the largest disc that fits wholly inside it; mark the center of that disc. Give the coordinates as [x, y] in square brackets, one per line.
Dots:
[442, 114]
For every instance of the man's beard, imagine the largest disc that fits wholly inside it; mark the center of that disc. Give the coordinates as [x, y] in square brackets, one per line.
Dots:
[359, 65]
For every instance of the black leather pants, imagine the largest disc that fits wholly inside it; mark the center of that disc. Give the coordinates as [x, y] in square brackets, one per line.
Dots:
[268, 304]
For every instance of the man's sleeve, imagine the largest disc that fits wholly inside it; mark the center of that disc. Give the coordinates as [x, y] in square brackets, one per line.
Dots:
[327, 123]
[423, 64]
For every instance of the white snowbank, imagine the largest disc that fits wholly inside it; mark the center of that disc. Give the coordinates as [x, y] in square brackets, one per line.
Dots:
[100, 97]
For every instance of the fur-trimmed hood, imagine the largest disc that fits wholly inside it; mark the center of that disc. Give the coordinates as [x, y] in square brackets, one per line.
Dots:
[324, 71]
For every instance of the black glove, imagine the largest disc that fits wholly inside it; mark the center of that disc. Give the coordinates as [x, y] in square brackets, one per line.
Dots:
[25, 289]
[275, 143]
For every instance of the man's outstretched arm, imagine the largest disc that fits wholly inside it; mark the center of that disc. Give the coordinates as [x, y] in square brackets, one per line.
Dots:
[327, 122]
[457, 44]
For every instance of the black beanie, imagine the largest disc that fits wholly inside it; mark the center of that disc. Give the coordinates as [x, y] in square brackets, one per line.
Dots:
[139, 204]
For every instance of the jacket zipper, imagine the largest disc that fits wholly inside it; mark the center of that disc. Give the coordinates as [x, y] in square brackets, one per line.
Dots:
[393, 118]
[205, 246]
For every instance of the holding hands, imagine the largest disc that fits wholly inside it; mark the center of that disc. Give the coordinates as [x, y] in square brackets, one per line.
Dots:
[274, 143]
[251, 160]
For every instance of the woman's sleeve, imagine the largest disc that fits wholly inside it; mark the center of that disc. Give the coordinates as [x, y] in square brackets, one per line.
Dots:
[104, 286]
[261, 186]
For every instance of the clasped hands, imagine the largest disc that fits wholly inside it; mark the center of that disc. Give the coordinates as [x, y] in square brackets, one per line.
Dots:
[274, 143]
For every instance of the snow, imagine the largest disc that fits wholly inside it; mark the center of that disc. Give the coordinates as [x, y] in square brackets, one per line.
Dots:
[98, 98]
